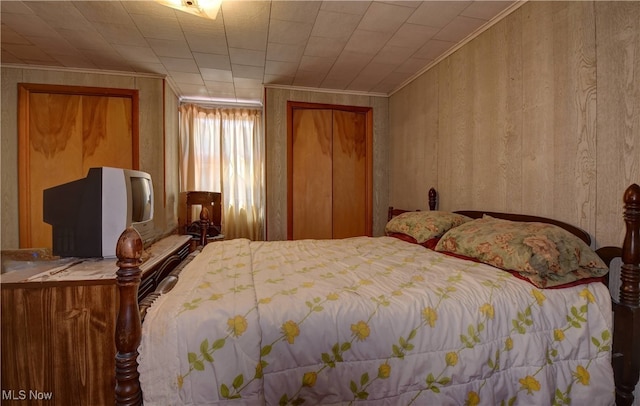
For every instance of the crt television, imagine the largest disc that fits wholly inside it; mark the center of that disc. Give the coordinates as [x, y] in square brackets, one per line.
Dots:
[89, 214]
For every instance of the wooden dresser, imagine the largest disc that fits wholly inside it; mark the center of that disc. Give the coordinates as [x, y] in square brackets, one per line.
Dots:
[58, 327]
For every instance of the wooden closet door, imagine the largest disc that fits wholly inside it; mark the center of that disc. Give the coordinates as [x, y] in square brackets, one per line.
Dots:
[64, 131]
[349, 174]
[311, 178]
[329, 165]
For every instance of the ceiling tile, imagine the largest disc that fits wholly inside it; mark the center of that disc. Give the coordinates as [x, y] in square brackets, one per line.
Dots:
[367, 42]
[187, 65]
[412, 65]
[284, 52]
[63, 15]
[28, 25]
[53, 45]
[324, 47]
[246, 57]
[212, 61]
[27, 52]
[88, 40]
[125, 34]
[76, 61]
[187, 78]
[206, 43]
[437, 13]
[384, 17]
[300, 11]
[459, 28]
[16, 7]
[216, 75]
[316, 64]
[370, 76]
[357, 8]
[335, 25]
[174, 48]
[246, 83]
[137, 54]
[158, 27]
[9, 36]
[103, 11]
[346, 68]
[247, 72]
[308, 79]
[8, 57]
[393, 54]
[289, 32]
[278, 80]
[433, 48]
[364, 46]
[281, 68]
[412, 36]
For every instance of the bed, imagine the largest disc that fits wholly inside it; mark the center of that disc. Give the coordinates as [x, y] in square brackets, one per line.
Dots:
[383, 321]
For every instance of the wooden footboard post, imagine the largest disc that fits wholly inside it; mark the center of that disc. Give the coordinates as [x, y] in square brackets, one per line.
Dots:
[626, 337]
[128, 325]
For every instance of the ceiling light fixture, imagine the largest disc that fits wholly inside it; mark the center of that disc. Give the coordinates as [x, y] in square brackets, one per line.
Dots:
[202, 8]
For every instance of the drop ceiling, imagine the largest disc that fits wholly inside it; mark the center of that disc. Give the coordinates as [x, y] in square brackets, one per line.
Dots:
[363, 47]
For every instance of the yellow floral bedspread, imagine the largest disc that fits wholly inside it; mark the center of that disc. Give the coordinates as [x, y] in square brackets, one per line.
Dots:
[373, 321]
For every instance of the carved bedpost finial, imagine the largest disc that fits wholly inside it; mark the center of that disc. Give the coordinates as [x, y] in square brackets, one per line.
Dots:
[128, 325]
[204, 225]
[433, 195]
[630, 274]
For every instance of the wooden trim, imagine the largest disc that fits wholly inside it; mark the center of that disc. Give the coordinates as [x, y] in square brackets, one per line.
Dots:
[24, 184]
[369, 174]
[24, 159]
[164, 145]
[290, 107]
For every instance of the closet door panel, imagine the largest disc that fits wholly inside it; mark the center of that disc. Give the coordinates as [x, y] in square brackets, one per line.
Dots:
[349, 169]
[55, 151]
[312, 173]
[107, 132]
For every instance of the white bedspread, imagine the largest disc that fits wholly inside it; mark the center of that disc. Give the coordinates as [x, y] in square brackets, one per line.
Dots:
[376, 321]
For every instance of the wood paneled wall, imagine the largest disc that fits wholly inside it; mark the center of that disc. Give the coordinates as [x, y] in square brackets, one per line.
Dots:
[540, 114]
[156, 142]
[276, 153]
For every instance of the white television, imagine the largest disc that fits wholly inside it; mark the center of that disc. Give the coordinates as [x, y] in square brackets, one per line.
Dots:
[88, 215]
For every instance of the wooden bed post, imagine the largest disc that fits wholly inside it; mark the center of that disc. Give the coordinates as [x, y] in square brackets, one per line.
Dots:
[433, 195]
[626, 337]
[128, 324]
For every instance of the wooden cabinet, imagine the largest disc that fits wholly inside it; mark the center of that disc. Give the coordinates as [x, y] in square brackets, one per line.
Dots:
[330, 163]
[58, 328]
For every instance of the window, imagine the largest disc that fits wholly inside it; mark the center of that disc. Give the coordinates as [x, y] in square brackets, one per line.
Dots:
[221, 150]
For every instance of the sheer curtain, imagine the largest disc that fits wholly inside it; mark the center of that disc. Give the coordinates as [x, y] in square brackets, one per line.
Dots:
[221, 150]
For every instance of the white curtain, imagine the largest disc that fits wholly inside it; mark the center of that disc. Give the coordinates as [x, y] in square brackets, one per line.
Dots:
[221, 150]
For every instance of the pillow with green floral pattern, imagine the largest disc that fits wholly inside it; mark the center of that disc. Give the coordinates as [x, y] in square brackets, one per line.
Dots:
[545, 254]
[424, 225]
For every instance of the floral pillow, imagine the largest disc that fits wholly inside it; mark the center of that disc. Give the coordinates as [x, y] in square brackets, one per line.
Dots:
[544, 254]
[424, 225]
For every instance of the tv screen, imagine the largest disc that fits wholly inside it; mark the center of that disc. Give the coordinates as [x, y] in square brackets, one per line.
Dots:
[141, 193]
